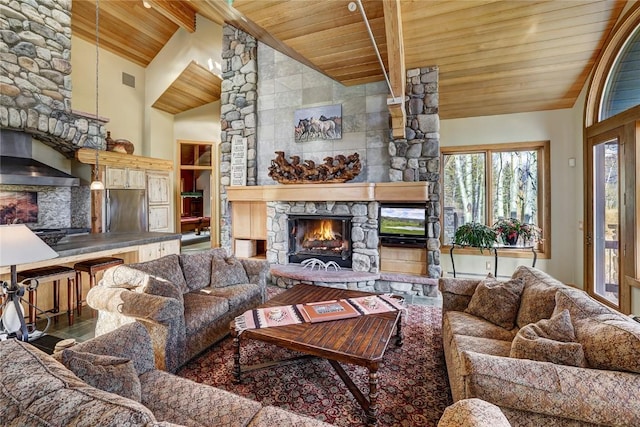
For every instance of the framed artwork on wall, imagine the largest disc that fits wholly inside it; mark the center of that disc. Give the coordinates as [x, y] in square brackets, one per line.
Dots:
[318, 123]
[18, 206]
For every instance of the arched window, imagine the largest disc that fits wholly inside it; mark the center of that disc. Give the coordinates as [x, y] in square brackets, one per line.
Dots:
[615, 86]
[622, 86]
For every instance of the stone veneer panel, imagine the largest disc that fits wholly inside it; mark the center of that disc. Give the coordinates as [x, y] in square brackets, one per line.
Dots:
[285, 85]
[35, 83]
[238, 100]
[364, 230]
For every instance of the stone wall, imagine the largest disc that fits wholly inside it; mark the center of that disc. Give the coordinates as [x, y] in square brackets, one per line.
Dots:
[238, 100]
[364, 230]
[35, 83]
[417, 158]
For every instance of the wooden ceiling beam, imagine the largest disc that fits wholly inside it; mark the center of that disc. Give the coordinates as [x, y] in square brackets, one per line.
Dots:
[395, 57]
[177, 11]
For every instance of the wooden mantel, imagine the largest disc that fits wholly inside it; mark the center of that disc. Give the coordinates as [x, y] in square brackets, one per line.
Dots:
[355, 192]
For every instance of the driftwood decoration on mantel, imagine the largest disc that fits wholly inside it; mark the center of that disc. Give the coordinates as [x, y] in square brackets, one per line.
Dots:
[334, 169]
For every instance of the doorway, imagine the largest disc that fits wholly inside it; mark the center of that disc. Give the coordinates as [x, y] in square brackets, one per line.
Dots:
[196, 210]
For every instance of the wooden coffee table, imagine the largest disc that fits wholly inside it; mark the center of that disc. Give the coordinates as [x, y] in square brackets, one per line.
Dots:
[359, 341]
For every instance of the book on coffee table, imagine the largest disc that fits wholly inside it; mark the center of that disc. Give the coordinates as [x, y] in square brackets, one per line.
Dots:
[327, 310]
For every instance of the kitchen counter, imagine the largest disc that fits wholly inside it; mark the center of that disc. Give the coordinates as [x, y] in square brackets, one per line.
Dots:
[134, 247]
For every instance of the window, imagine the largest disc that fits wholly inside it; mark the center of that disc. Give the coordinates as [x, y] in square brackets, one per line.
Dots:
[487, 183]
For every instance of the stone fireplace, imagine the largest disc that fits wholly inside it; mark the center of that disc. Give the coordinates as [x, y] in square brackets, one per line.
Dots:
[323, 237]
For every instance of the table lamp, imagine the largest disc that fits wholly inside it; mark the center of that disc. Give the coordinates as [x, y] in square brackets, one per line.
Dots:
[18, 245]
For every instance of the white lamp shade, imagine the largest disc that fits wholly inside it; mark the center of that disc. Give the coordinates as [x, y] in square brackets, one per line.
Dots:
[19, 245]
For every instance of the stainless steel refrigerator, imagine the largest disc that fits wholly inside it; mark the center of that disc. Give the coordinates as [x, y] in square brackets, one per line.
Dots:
[127, 211]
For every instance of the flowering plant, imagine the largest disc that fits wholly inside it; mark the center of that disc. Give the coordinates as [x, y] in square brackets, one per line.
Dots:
[511, 228]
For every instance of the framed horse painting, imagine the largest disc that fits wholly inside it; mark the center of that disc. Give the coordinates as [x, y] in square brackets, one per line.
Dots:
[318, 123]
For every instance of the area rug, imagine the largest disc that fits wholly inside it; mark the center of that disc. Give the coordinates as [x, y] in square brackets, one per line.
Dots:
[413, 386]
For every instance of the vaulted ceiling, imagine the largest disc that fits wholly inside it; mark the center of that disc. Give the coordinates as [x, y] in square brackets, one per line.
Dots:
[495, 57]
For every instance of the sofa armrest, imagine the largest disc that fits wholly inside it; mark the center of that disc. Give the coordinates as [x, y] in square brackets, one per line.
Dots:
[583, 394]
[456, 293]
[257, 271]
[130, 341]
[138, 305]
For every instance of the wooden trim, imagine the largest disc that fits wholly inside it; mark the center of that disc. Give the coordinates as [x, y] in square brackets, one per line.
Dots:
[614, 122]
[604, 63]
[110, 158]
[632, 281]
[356, 192]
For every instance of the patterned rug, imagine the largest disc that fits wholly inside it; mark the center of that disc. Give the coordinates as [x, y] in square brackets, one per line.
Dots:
[413, 387]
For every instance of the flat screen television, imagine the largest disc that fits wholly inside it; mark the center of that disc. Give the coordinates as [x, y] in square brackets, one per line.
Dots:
[403, 224]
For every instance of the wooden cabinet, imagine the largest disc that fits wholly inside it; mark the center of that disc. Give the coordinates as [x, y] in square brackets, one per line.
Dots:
[158, 199]
[249, 220]
[249, 228]
[153, 251]
[125, 178]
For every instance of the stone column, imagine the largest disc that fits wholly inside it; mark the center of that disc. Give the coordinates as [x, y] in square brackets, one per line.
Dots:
[238, 100]
[417, 158]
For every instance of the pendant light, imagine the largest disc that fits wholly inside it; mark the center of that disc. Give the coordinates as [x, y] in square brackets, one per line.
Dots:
[96, 184]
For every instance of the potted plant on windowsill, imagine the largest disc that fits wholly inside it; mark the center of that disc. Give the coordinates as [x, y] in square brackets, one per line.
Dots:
[476, 235]
[511, 229]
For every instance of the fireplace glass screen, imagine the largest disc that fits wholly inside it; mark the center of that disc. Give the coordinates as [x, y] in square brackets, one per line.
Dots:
[327, 238]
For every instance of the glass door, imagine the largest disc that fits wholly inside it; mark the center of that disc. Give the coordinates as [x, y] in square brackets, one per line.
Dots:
[605, 227]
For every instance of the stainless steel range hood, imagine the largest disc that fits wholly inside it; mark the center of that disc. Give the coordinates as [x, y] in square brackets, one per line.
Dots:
[18, 167]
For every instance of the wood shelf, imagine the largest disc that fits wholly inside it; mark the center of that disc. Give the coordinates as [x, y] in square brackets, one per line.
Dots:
[111, 158]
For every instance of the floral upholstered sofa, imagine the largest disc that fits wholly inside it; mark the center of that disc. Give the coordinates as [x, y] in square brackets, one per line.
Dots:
[111, 381]
[186, 301]
[546, 353]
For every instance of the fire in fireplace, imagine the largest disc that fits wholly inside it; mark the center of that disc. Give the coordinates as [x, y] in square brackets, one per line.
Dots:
[327, 238]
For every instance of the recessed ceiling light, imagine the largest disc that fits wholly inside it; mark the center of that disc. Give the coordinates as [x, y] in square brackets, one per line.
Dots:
[146, 4]
[352, 6]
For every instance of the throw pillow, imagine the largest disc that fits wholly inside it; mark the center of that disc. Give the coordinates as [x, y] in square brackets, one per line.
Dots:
[162, 287]
[549, 340]
[538, 297]
[227, 271]
[167, 267]
[610, 342]
[108, 373]
[497, 302]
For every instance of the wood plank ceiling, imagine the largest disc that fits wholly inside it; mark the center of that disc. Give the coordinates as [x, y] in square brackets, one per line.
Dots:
[495, 57]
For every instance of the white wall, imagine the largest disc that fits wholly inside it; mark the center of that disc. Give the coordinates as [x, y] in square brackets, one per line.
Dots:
[559, 128]
[182, 48]
[122, 105]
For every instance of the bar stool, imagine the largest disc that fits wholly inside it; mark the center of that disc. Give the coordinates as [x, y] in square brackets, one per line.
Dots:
[91, 266]
[53, 274]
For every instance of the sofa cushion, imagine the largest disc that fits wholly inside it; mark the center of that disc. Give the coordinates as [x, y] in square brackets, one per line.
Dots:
[610, 342]
[460, 323]
[236, 294]
[538, 296]
[108, 373]
[197, 267]
[201, 309]
[182, 401]
[167, 267]
[549, 340]
[124, 276]
[227, 271]
[41, 388]
[496, 301]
